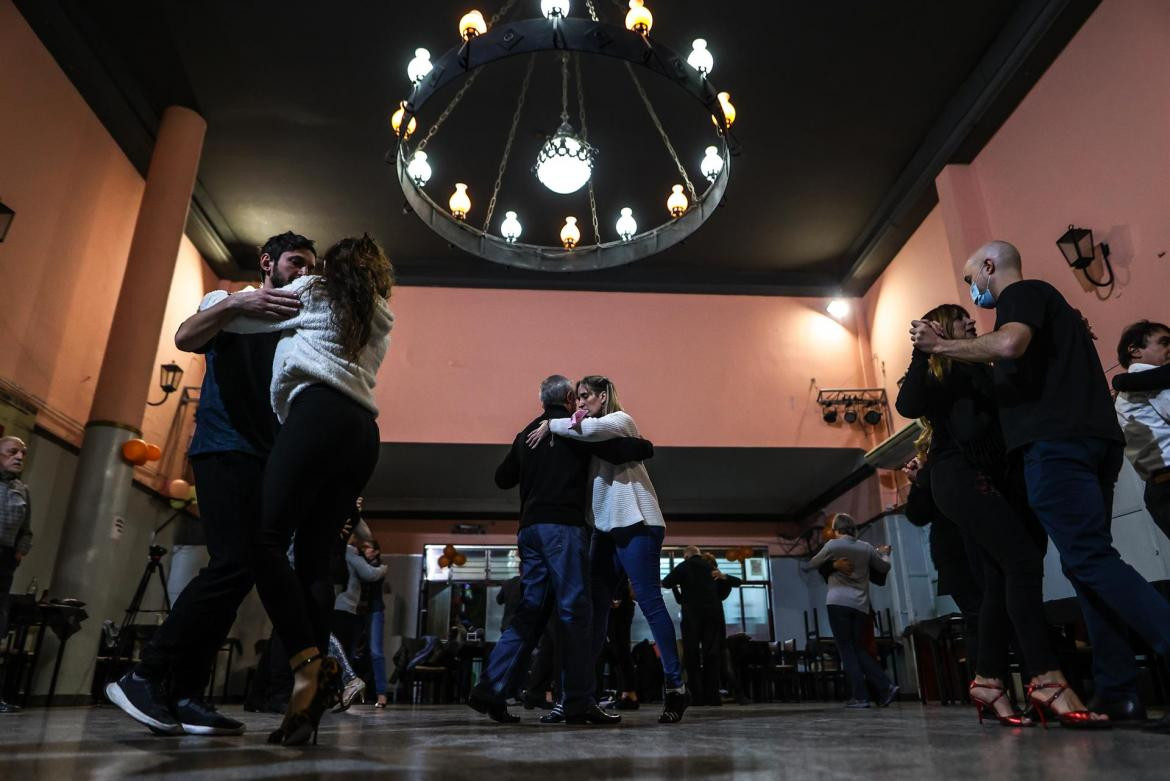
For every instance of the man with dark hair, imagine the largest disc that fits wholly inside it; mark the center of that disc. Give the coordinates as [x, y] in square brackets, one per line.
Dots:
[234, 431]
[15, 531]
[1056, 413]
[1145, 416]
[554, 561]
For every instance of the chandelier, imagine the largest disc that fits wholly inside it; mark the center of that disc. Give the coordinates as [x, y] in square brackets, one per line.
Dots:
[566, 160]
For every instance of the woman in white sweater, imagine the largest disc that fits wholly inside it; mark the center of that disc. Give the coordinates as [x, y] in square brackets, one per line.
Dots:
[322, 392]
[628, 530]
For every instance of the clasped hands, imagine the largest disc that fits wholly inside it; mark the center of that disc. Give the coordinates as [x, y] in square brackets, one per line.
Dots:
[926, 335]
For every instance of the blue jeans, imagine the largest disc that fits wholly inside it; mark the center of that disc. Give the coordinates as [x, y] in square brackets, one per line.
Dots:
[849, 627]
[554, 561]
[636, 551]
[1070, 488]
[377, 650]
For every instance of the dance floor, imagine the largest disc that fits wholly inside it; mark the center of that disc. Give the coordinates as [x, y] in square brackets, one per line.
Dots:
[450, 742]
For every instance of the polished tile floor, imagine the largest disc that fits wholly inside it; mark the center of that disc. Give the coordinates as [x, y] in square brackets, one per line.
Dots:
[821, 742]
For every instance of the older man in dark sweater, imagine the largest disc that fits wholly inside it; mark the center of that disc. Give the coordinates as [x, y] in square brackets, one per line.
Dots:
[554, 553]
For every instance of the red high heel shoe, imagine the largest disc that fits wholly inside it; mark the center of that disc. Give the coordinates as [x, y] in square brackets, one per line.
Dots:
[1077, 719]
[1012, 720]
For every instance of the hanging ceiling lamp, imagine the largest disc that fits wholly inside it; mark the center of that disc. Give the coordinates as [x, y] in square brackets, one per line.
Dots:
[711, 164]
[626, 225]
[639, 19]
[554, 9]
[460, 203]
[728, 109]
[419, 169]
[510, 228]
[700, 58]
[418, 68]
[471, 25]
[396, 121]
[570, 233]
[565, 161]
[677, 202]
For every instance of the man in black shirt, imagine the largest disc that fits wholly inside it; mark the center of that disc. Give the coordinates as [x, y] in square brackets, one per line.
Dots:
[554, 553]
[1057, 414]
[700, 588]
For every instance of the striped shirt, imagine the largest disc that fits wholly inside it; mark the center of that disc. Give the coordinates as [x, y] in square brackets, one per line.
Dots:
[15, 531]
[622, 493]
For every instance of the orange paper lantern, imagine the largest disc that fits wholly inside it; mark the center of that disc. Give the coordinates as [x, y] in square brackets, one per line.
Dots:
[444, 562]
[460, 559]
[730, 555]
[153, 452]
[134, 451]
[449, 550]
[180, 489]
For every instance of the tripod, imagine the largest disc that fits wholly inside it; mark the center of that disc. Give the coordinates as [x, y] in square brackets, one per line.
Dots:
[125, 643]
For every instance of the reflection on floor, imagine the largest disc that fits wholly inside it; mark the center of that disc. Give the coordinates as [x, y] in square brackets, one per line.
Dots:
[820, 741]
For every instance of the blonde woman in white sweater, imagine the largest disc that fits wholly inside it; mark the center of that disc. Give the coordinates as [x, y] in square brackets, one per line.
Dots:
[628, 530]
[322, 392]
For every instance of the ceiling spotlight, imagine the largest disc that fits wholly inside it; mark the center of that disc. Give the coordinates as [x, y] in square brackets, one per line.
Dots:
[872, 417]
[700, 58]
[830, 414]
[677, 202]
[838, 308]
[570, 233]
[626, 225]
[850, 415]
[711, 164]
[510, 228]
[418, 68]
[418, 169]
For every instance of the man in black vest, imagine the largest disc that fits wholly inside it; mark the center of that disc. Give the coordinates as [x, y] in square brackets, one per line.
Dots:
[554, 553]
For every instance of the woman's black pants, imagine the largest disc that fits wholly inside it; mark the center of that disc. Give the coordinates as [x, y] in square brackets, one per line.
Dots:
[1012, 544]
[319, 465]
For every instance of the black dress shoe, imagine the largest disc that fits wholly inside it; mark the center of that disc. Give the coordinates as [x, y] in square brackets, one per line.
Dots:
[593, 715]
[1128, 710]
[496, 711]
[1159, 727]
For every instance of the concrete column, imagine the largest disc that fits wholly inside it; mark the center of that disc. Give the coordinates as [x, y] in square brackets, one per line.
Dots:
[92, 541]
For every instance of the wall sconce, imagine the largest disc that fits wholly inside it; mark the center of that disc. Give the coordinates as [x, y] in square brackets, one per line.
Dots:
[168, 379]
[838, 308]
[1079, 252]
[6, 215]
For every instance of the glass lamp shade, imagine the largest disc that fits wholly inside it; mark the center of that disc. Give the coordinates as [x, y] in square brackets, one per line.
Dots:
[396, 122]
[700, 58]
[554, 8]
[677, 202]
[471, 25]
[626, 225]
[460, 204]
[565, 162]
[639, 19]
[418, 68]
[1077, 247]
[169, 375]
[711, 164]
[728, 109]
[510, 228]
[570, 233]
[418, 169]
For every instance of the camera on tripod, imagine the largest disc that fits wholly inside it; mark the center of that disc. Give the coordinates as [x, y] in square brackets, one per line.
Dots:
[156, 552]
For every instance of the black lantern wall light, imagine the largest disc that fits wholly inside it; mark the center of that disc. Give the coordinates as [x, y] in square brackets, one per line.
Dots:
[566, 160]
[1079, 252]
[6, 215]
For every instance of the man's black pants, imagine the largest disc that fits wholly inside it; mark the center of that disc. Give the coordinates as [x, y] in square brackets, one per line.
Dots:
[229, 508]
[703, 637]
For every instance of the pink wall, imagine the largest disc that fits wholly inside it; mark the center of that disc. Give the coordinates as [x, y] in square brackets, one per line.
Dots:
[465, 365]
[76, 199]
[1088, 145]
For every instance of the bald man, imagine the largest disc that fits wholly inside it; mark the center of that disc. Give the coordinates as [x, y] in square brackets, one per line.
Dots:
[15, 532]
[1057, 415]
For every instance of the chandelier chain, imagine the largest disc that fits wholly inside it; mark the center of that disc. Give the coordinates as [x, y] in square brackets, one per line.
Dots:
[662, 132]
[447, 111]
[508, 144]
[592, 10]
[585, 138]
[498, 15]
[564, 87]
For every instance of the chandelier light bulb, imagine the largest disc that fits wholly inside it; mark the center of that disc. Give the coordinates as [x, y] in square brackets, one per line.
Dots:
[626, 225]
[510, 228]
[565, 162]
[728, 109]
[460, 204]
[639, 19]
[677, 202]
[418, 169]
[396, 121]
[554, 9]
[712, 163]
[471, 25]
[418, 68]
[570, 233]
[700, 58]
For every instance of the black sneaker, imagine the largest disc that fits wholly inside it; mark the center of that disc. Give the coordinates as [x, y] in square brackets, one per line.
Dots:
[6, 707]
[593, 715]
[197, 717]
[554, 716]
[676, 705]
[144, 701]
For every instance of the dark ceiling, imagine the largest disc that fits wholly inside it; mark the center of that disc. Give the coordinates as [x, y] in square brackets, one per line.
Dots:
[847, 111]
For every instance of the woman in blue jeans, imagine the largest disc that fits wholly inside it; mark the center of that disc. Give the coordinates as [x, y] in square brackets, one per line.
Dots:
[376, 622]
[628, 530]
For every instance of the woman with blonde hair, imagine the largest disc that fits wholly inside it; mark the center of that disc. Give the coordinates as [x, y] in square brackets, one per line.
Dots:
[973, 485]
[628, 530]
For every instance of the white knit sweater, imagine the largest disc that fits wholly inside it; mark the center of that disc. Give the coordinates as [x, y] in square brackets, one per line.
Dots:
[622, 493]
[310, 351]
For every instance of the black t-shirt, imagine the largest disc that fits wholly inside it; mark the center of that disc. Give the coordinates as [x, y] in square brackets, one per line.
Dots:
[1057, 388]
[235, 410]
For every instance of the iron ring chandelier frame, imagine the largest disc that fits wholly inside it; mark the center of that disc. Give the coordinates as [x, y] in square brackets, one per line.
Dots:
[586, 36]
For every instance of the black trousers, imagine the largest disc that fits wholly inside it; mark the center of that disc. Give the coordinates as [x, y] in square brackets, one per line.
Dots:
[703, 637]
[1157, 498]
[321, 461]
[185, 646]
[8, 565]
[849, 629]
[620, 621]
[1012, 546]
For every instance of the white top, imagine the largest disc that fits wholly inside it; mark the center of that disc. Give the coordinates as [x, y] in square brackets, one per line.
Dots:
[310, 351]
[622, 493]
[1145, 419]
